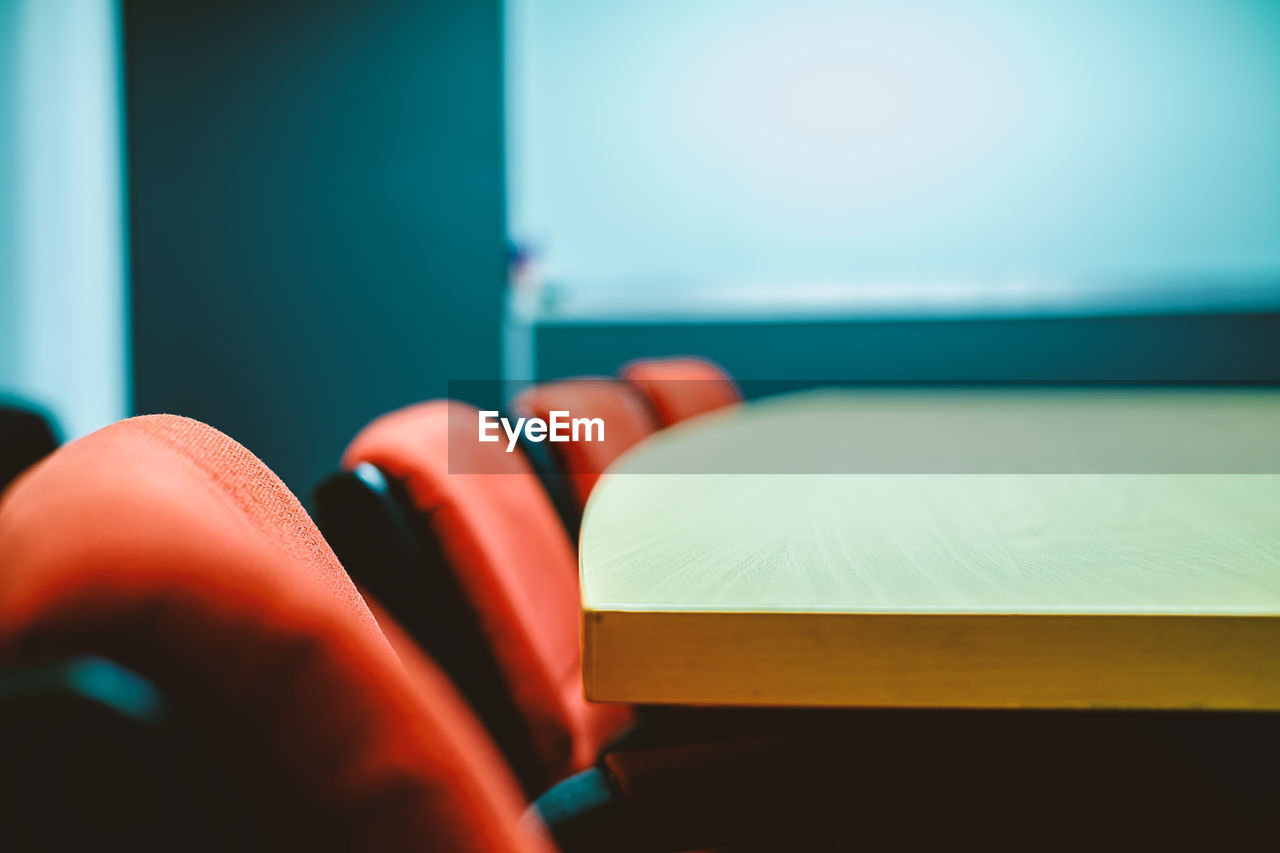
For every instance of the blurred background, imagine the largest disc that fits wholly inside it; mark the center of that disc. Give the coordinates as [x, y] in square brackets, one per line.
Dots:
[284, 218]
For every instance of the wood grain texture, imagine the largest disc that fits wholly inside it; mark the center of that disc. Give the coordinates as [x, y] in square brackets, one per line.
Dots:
[939, 589]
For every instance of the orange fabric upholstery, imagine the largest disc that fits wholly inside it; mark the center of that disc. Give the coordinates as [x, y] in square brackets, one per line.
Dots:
[680, 388]
[163, 544]
[627, 420]
[513, 561]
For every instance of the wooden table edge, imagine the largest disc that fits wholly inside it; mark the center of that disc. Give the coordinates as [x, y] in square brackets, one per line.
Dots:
[934, 660]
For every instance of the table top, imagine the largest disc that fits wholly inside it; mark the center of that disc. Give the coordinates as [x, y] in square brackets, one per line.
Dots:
[954, 548]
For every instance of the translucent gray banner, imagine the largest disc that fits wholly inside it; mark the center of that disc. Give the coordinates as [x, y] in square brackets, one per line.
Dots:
[592, 425]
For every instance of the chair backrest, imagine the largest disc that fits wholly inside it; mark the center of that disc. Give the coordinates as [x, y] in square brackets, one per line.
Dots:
[681, 388]
[26, 437]
[627, 418]
[395, 558]
[505, 547]
[160, 543]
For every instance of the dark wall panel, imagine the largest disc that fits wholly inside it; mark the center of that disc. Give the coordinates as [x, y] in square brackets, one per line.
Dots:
[316, 212]
[1170, 348]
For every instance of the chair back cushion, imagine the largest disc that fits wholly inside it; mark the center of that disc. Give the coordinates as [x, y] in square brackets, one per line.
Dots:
[512, 559]
[627, 420]
[682, 388]
[163, 544]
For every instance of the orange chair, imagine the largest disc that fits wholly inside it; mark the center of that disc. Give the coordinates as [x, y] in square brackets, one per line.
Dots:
[165, 546]
[681, 388]
[491, 531]
[626, 415]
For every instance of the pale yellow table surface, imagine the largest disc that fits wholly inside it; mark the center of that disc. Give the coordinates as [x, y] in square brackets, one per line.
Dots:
[1115, 584]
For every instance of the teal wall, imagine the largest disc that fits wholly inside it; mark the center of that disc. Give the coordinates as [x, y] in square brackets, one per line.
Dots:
[317, 213]
[1207, 348]
[63, 265]
[8, 194]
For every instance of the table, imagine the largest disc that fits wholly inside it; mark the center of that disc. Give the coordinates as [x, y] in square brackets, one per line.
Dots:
[1103, 548]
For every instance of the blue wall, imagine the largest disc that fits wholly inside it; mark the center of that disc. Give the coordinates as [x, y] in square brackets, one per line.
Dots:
[317, 213]
[721, 147]
[855, 140]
